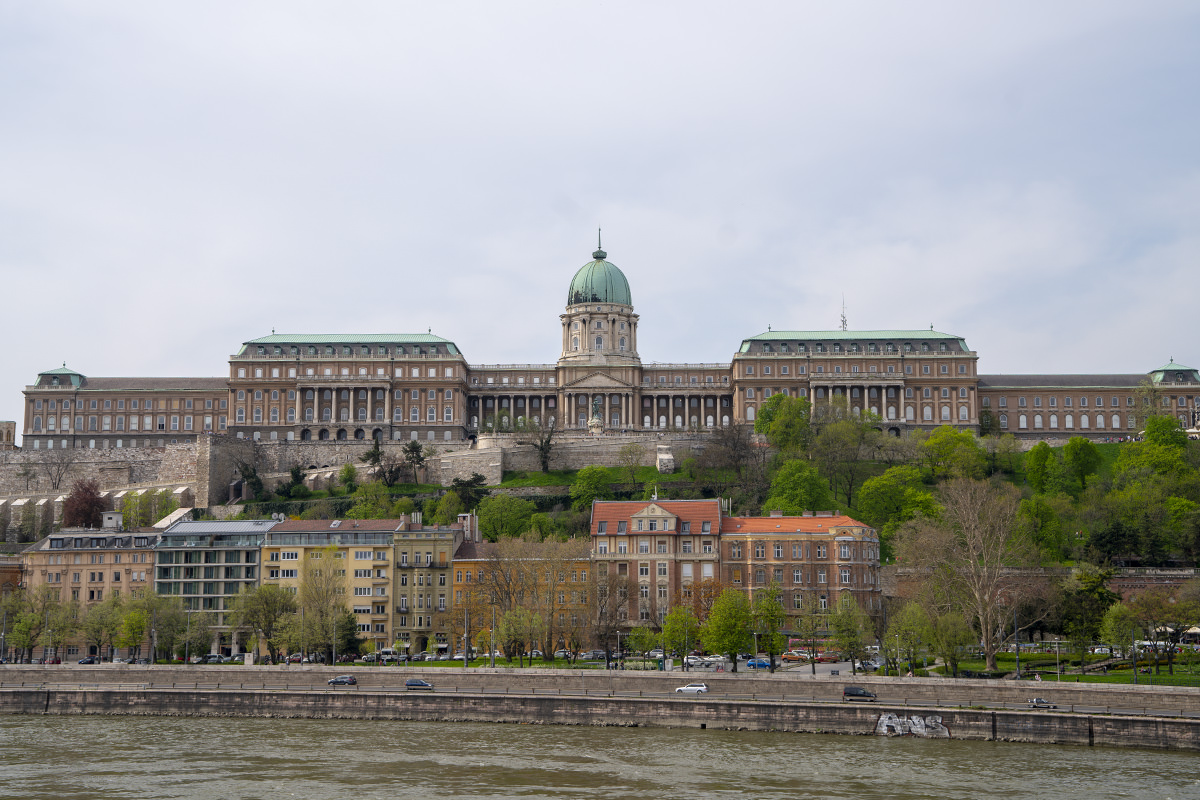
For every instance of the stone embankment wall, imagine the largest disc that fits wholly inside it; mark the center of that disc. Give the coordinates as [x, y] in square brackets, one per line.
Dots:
[586, 699]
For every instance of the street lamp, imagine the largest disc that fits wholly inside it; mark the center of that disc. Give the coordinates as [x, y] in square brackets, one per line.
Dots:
[897, 655]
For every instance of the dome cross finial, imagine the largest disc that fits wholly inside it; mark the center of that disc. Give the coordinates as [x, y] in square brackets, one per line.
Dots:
[599, 255]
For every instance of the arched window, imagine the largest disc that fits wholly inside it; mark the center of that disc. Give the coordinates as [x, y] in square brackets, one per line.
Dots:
[622, 342]
[749, 394]
[1004, 420]
[1054, 421]
[1022, 421]
[945, 413]
[599, 342]
[575, 343]
[750, 413]
[927, 413]
[1100, 421]
[962, 413]
[274, 415]
[908, 413]
[1116, 421]
[328, 394]
[1069, 421]
[326, 415]
[1037, 421]
[308, 416]
[1083, 421]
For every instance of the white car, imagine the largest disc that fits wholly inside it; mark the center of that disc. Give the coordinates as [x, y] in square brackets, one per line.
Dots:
[693, 688]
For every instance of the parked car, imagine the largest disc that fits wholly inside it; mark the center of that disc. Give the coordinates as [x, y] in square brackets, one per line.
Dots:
[758, 663]
[857, 693]
[89, 660]
[655, 653]
[692, 688]
[696, 661]
[420, 657]
[827, 658]
[1040, 702]
[416, 684]
[792, 656]
[592, 655]
[295, 658]
[343, 680]
[566, 654]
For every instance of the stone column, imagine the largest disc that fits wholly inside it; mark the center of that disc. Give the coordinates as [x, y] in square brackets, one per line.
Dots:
[333, 409]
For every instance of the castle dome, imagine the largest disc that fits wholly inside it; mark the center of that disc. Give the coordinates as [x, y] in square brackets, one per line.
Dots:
[599, 281]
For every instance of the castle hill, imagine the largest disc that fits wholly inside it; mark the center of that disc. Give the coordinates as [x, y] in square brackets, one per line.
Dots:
[864, 507]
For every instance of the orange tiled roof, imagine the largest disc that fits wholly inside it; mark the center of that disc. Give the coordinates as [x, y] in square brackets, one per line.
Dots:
[787, 524]
[686, 510]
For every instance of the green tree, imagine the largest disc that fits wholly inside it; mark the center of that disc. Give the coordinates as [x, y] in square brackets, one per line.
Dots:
[786, 421]
[768, 618]
[348, 478]
[909, 630]
[135, 624]
[371, 501]
[798, 487]
[470, 490]
[1081, 458]
[83, 508]
[197, 638]
[949, 452]
[504, 517]
[591, 483]
[1037, 465]
[448, 508]
[839, 450]
[1164, 431]
[889, 500]
[949, 637]
[1085, 598]
[851, 628]
[1118, 628]
[100, 624]
[727, 629]
[414, 457]
[262, 611]
[681, 630]
[322, 599]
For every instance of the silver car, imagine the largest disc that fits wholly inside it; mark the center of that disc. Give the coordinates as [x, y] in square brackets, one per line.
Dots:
[693, 688]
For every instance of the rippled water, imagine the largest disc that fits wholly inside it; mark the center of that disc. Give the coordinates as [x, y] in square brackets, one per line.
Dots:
[120, 757]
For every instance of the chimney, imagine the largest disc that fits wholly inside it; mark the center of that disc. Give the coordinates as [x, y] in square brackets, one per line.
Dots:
[777, 512]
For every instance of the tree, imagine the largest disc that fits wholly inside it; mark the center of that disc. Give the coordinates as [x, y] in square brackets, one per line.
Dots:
[850, 626]
[769, 618]
[294, 487]
[322, 599]
[249, 475]
[448, 508]
[972, 553]
[262, 610]
[371, 501]
[1037, 465]
[470, 490]
[83, 508]
[909, 629]
[414, 457]
[540, 438]
[197, 638]
[1118, 628]
[950, 452]
[518, 631]
[591, 483]
[1081, 458]
[630, 457]
[811, 620]
[949, 636]
[504, 517]
[56, 464]
[889, 500]
[1085, 598]
[348, 478]
[797, 487]
[786, 421]
[681, 630]
[100, 624]
[727, 630]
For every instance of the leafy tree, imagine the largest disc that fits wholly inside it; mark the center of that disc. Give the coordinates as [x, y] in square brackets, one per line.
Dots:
[1085, 598]
[1037, 465]
[910, 628]
[414, 456]
[322, 600]
[249, 475]
[135, 624]
[889, 500]
[1042, 517]
[949, 452]
[1081, 458]
[839, 451]
[643, 639]
[197, 638]
[786, 421]
[591, 483]
[851, 628]
[519, 631]
[263, 610]
[681, 630]
[448, 508]
[348, 478]
[371, 501]
[949, 636]
[727, 629]
[989, 423]
[83, 508]
[27, 529]
[798, 487]
[768, 618]
[101, 624]
[504, 517]
[1165, 432]
[470, 490]
[1118, 627]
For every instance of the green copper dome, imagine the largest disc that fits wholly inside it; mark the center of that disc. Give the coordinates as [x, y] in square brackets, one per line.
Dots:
[599, 281]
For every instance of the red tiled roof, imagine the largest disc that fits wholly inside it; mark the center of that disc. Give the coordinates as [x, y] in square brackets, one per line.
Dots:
[787, 524]
[693, 511]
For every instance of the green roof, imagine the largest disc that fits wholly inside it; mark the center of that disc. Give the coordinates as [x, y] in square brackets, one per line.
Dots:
[849, 336]
[599, 281]
[355, 338]
[75, 375]
[1160, 375]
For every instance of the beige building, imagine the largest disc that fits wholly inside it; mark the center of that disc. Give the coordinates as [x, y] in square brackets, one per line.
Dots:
[420, 386]
[8, 434]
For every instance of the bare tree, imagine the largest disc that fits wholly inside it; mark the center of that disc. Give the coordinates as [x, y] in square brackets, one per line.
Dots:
[976, 557]
[56, 464]
[541, 439]
[630, 458]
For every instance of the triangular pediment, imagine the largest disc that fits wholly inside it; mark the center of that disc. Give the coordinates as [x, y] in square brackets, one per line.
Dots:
[664, 520]
[597, 380]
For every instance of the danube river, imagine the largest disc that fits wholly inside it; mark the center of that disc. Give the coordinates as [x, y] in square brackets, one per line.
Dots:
[214, 759]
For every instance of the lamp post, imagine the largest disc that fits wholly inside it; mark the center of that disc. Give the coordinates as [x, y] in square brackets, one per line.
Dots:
[897, 655]
[1017, 639]
[1057, 668]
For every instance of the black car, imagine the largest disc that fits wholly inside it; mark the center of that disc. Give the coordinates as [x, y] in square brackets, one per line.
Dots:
[416, 684]
[857, 693]
[89, 660]
[343, 680]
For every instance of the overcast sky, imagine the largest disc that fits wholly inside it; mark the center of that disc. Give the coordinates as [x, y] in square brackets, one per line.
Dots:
[178, 178]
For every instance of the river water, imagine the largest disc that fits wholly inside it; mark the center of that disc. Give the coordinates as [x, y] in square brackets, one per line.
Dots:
[214, 759]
